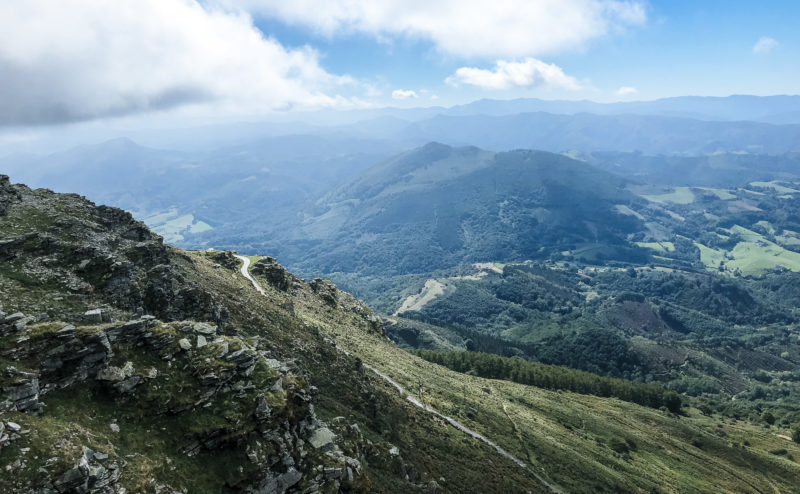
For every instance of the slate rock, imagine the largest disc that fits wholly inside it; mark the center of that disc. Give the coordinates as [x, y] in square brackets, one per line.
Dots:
[322, 438]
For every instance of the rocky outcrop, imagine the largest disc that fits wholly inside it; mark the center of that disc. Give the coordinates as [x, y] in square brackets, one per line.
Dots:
[20, 391]
[326, 290]
[8, 245]
[62, 357]
[225, 259]
[8, 194]
[99, 251]
[283, 437]
[9, 432]
[79, 400]
[14, 323]
[66, 356]
[276, 275]
[94, 473]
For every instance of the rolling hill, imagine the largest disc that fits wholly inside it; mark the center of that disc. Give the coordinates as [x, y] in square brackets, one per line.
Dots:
[438, 206]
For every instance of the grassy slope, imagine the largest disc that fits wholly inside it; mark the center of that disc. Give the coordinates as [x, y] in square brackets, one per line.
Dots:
[777, 187]
[681, 195]
[80, 415]
[754, 256]
[581, 443]
[438, 206]
[570, 439]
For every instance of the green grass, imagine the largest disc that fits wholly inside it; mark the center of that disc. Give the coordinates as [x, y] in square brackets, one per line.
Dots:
[776, 187]
[767, 226]
[680, 195]
[663, 247]
[25, 219]
[593, 252]
[752, 257]
[200, 227]
[789, 238]
[172, 225]
[747, 234]
[722, 194]
[710, 257]
[590, 444]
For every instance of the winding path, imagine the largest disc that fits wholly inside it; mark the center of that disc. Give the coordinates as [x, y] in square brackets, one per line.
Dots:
[413, 399]
[463, 428]
[246, 272]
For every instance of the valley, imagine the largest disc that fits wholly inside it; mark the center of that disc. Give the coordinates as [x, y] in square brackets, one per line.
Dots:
[593, 321]
[359, 247]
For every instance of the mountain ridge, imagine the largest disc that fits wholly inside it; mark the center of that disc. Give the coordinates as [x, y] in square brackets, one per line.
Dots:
[224, 389]
[427, 206]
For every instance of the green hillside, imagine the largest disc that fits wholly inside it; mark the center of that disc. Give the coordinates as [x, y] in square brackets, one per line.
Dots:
[219, 388]
[438, 206]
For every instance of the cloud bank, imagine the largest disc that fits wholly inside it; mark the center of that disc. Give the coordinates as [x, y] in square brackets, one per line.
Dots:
[765, 45]
[402, 94]
[70, 60]
[627, 91]
[530, 73]
[464, 28]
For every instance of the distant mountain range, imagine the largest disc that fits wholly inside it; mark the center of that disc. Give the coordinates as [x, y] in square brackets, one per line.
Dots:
[591, 132]
[438, 206]
[781, 109]
[276, 193]
[390, 122]
[772, 109]
[270, 175]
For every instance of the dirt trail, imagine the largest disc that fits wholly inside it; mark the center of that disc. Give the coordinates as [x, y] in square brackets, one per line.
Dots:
[458, 425]
[414, 400]
[411, 398]
[246, 272]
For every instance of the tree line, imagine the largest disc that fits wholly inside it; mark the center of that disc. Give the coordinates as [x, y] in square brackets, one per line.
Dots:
[553, 377]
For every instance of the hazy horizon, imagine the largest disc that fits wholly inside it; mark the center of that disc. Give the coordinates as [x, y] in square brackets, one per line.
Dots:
[83, 71]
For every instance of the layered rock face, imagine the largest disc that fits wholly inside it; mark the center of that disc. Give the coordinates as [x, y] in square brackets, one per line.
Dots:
[260, 403]
[64, 241]
[127, 365]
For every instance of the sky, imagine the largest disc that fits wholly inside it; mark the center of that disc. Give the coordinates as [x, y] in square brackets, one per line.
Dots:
[68, 61]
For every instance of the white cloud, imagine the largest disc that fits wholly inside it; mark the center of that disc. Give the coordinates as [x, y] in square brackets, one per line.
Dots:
[465, 28]
[765, 45]
[529, 73]
[68, 60]
[404, 94]
[627, 91]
